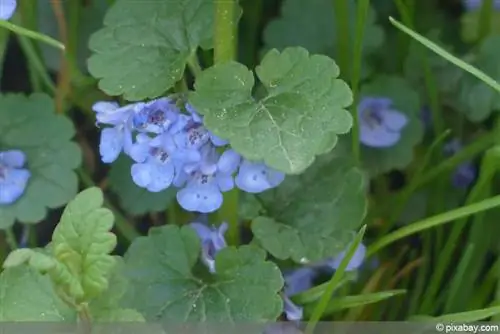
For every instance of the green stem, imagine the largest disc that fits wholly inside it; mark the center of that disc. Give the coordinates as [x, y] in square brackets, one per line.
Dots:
[194, 65]
[342, 28]
[31, 34]
[433, 221]
[225, 51]
[485, 18]
[121, 223]
[225, 31]
[10, 238]
[362, 14]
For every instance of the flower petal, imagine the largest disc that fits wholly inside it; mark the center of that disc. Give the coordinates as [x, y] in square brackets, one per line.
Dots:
[200, 198]
[111, 144]
[141, 174]
[203, 231]
[13, 185]
[161, 177]
[378, 137]
[7, 9]
[228, 162]
[356, 260]
[394, 120]
[13, 158]
[257, 177]
[299, 280]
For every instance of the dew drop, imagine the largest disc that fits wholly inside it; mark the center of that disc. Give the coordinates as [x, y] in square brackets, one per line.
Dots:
[304, 260]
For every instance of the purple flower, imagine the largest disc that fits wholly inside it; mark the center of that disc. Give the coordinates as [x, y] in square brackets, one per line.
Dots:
[7, 9]
[292, 311]
[156, 116]
[256, 177]
[465, 174]
[13, 177]
[299, 280]
[472, 5]
[380, 126]
[212, 241]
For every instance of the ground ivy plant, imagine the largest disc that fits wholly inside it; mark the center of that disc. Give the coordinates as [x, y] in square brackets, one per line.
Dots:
[202, 161]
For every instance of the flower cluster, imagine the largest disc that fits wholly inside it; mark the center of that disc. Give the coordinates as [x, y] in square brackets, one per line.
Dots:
[465, 174]
[13, 177]
[302, 279]
[7, 9]
[173, 148]
[472, 5]
[380, 126]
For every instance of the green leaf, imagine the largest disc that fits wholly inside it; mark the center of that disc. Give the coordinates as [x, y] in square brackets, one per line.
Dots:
[476, 100]
[107, 306]
[26, 295]
[463, 317]
[294, 28]
[406, 100]
[346, 302]
[30, 124]
[299, 118]
[169, 284]
[82, 242]
[90, 19]
[161, 34]
[314, 215]
[133, 199]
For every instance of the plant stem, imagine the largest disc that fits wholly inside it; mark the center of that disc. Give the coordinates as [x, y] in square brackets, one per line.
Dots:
[10, 238]
[362, 14]
[225, 51]
[31, 34]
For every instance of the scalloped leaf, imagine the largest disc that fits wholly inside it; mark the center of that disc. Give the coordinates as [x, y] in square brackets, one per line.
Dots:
[299, 117]
[315, 215]
[161, 34]
[30, 124]
[170, 285]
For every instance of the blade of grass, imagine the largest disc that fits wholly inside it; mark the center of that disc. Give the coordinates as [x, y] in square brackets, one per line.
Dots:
[31, 34]
[332, 284]
[446, 55]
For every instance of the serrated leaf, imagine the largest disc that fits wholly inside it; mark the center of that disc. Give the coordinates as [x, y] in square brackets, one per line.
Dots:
[169, 284]
[30, 124]
[143, 48]
[406, 100]
[90, 17]
[82, 242]
[133, 199]
[26, 295]
[476, 100]
[294, 28]
[314, 215]
[299, 118]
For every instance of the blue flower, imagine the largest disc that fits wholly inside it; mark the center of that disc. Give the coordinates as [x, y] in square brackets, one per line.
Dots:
[380, 126]
[155, 165]
[465, 174]
[355, 262]
[472, 5]
[256, 177]
[299, 280]
[207, 181]
[212, 241]
[7, 9]
[155, 116]
[118, 138]
[13, 177]
[292, 311]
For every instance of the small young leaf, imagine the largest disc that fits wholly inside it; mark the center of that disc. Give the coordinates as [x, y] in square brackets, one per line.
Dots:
[143, 49]
[315, 215]
[299, 118]
[82, 242]
[133, 199]
[26, 295]
[30, 125]
[169, 285]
